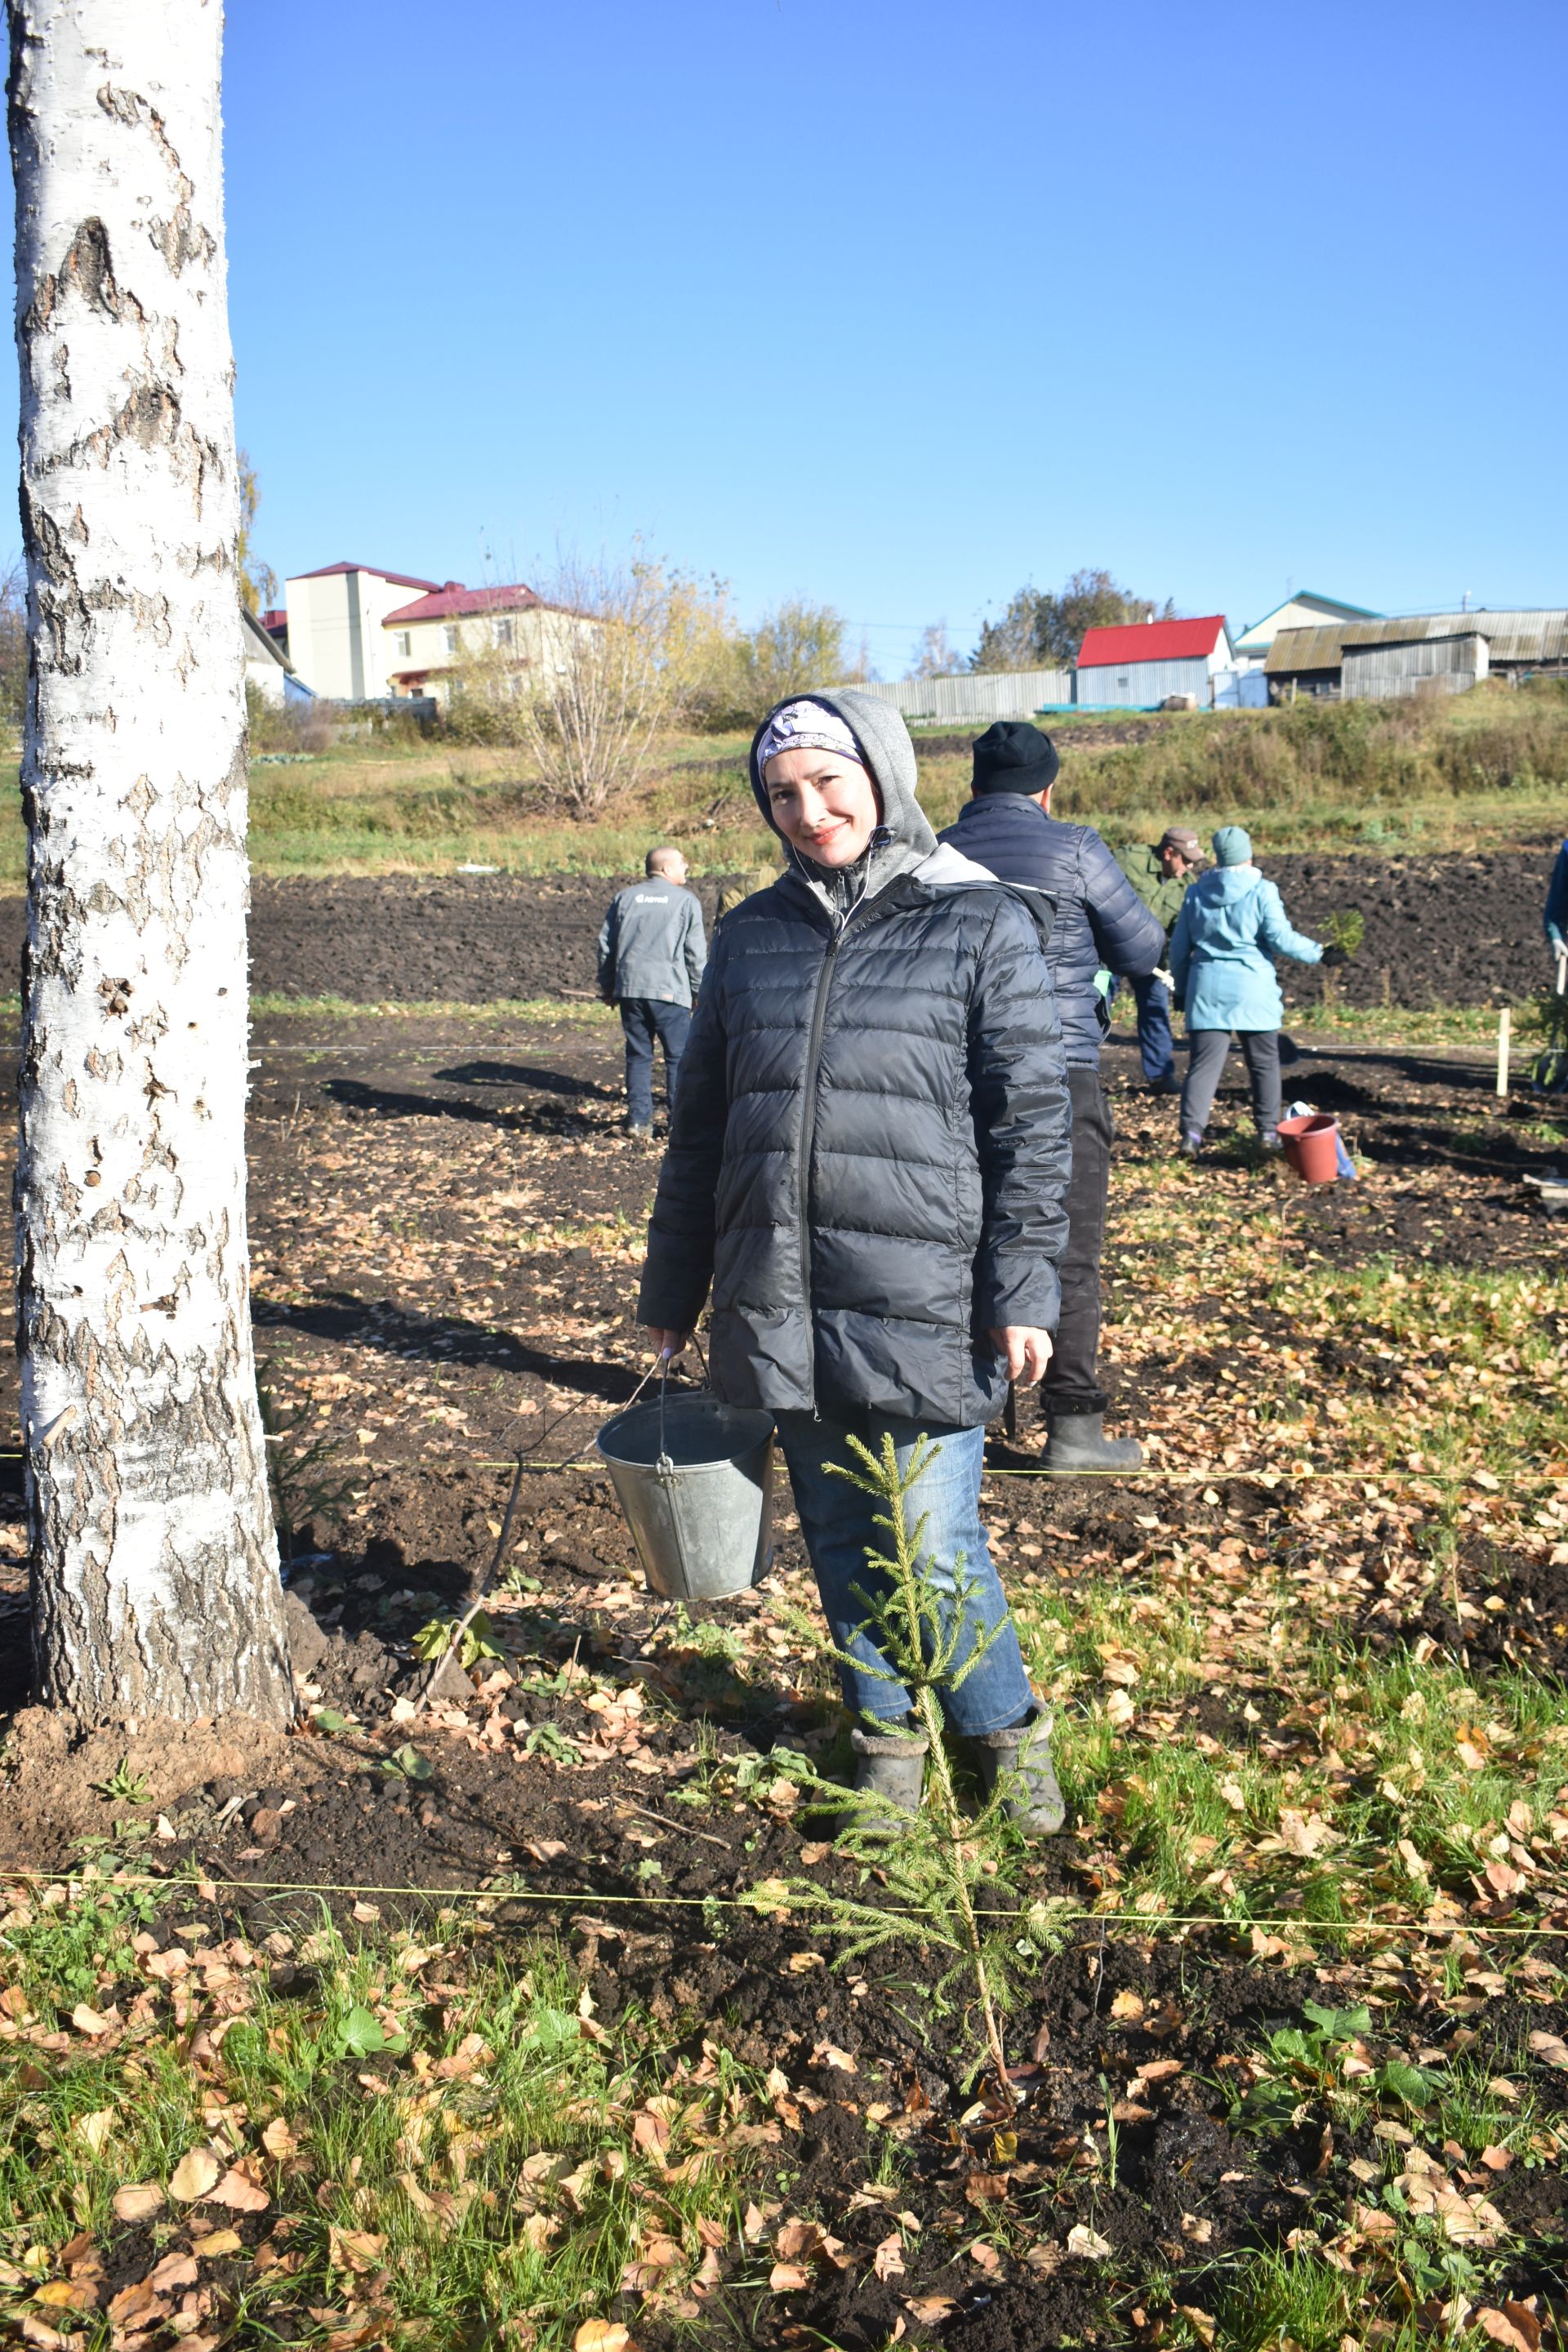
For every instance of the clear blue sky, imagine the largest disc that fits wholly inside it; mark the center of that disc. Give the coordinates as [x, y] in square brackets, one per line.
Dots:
[898, 307]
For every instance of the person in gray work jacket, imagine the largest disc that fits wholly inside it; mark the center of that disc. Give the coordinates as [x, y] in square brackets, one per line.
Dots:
[652, 953]
[866, 1168]
[1101, 926]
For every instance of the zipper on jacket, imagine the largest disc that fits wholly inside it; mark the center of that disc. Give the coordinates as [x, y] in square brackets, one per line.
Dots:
[807, 1136]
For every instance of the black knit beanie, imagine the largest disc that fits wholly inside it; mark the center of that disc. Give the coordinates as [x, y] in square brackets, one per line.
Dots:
[1013, 757]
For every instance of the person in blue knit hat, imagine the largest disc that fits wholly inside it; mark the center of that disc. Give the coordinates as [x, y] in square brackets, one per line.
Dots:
[1232, 923]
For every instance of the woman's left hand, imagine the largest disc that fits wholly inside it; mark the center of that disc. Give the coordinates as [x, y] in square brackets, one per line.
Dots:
[1026, 1350]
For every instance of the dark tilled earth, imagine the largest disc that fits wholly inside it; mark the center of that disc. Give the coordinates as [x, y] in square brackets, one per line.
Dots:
[1451, 929]
[447, 1219]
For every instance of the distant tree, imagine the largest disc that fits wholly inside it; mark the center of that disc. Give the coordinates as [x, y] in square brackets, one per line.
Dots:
[1041, 630]
[933, 657]
[13, 642]
[796, 647]
[258, 581]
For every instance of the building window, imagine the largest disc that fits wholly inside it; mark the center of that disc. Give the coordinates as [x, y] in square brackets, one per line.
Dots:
[451, 637]
[503, 632]
[402, 641]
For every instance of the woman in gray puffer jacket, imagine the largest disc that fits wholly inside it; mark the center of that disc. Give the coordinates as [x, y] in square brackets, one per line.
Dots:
[868, 1164]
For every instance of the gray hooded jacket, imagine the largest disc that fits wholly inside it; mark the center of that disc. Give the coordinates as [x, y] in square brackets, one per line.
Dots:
[869, 1153]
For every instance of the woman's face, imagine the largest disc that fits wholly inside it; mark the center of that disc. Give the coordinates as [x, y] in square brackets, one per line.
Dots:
[824, 804]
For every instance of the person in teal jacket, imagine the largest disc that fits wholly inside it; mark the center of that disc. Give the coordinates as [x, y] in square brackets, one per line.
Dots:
[1232, 922]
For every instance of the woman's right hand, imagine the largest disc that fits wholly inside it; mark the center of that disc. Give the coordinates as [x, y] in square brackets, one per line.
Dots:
[667, 1343]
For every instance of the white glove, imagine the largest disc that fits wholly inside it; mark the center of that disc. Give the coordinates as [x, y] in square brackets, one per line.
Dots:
[1163, 978]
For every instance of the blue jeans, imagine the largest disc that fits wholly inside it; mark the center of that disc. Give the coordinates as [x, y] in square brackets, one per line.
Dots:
[644, 1018]
[838, 1524]
[1155, 1041]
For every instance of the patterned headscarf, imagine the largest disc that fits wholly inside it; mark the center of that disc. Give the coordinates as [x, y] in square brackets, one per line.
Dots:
[807, 726]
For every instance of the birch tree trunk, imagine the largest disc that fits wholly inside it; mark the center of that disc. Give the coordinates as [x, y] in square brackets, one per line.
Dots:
[155, 1585]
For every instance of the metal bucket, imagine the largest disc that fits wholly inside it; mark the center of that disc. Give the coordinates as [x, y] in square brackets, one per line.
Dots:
[695, 1479]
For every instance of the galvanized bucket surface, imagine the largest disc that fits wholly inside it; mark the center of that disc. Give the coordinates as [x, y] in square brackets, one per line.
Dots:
[695, 1480]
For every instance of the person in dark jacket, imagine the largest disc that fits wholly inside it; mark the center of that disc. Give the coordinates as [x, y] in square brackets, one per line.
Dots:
[651, 954]
[1160, 872]
[867, 1167]
[1101, 927]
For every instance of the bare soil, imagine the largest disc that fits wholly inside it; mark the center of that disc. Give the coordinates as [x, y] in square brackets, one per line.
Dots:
[447, 1221]
[1449, 929]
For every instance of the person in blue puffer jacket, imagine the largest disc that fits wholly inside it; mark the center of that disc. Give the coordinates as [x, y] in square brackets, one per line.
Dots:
[1232, 923]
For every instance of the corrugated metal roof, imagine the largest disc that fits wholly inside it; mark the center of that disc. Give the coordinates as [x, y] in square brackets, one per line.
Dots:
[1151, 641]
[452, 603]
[1516, 636]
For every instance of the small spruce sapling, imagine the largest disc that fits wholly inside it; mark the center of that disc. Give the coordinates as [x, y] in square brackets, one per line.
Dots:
[933, 1864]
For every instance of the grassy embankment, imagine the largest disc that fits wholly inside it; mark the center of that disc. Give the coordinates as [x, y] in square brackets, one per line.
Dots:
[1480, 770]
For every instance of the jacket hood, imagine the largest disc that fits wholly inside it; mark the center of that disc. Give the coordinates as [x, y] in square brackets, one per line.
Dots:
[1223, 882]
[904, 839]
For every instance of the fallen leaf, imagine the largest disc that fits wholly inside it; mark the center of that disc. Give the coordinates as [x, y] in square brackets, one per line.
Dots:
[1497, 2160]
[1514, 2325]
[985, 2257]
[89, 2021]
[538, 2231]
[138, 2200]
[96, 2128]
[985, 2188]
[175, 2270]
[1550, 2048]
[1087, 2243]
[1231, 1790]
[603, 2335]
[353, 2250]
[826, 2054]
[240, 2193]
[1127, 2005]
[1202, 2324]
[217, 2241]
[197, 2172]
[366, 1914]
[788, 2278]
[1159, 2070]
[888, 2262]
[1196, 2230]
[931, 2310]
[279, 2140]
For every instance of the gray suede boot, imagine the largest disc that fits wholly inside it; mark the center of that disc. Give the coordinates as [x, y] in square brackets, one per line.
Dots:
[891, 1765]
[1018, 1761]
[1076, 1442]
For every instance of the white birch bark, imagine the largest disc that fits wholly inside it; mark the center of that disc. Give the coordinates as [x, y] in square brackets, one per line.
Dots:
[155, 1586]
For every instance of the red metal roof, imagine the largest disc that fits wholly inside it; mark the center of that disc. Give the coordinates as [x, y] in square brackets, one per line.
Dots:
[275, 621]
[1149, 641]
[453, 601]
[398, 579]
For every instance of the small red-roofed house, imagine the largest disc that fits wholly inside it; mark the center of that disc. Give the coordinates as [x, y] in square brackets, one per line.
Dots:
[1143, 664]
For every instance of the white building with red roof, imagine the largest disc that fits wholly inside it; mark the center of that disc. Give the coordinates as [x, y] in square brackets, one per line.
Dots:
[507, 632]
[336, 641]
[1142, 665]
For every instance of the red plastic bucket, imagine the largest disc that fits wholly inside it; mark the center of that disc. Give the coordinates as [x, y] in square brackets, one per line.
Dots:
[1313, 1146]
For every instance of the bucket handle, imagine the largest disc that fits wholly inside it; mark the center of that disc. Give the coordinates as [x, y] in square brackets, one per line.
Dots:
[666, 1466]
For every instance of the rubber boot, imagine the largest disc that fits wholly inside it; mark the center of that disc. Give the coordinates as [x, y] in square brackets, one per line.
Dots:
[1019, 1761]
[891, 1765]
[1076, 1442]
